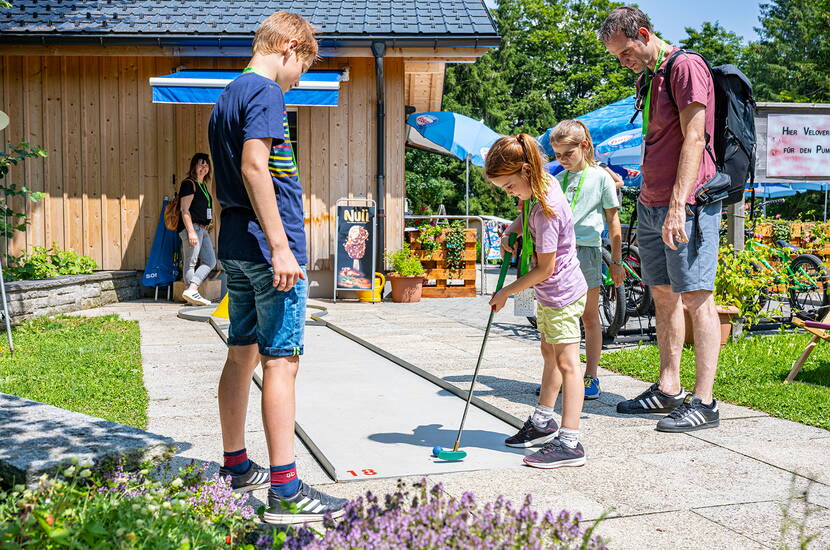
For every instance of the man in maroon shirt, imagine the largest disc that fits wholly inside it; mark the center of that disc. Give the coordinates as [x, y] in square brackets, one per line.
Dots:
[678, 239]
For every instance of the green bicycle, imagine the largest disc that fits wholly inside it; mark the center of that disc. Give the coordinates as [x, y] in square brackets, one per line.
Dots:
[804, 277]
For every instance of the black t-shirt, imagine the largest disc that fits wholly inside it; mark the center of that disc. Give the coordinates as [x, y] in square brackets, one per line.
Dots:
[199, 205]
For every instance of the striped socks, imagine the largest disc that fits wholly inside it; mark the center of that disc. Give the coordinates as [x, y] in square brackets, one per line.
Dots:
[237, 462]
[284, 480]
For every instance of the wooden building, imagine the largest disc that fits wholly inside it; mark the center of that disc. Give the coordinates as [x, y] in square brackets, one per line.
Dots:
[74, 79]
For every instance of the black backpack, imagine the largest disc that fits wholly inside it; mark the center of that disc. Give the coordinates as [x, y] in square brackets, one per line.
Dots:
[734, 139]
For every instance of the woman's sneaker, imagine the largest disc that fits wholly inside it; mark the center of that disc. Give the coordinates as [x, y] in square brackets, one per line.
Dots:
[592, 390]
[530, 435]
[690, 416]
[651, 401]
[256, 477]
[308, 505]
[193, 297]
[556, 455]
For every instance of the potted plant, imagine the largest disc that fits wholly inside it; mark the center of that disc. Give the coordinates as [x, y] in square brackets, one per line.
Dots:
[740, 283]
[407, 276]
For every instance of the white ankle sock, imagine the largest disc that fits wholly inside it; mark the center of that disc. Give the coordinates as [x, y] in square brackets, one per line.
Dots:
[569, 438]
[541, 416]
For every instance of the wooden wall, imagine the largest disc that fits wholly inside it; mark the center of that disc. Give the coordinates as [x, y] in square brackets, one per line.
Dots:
[113, 153]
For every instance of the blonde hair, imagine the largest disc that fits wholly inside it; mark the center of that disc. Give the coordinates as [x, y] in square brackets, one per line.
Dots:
[574, 132]
[280, 28]
[509, 155]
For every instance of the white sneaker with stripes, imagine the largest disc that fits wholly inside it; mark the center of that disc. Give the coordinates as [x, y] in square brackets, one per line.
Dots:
[690, 416]
[651, 401]
[307, 506]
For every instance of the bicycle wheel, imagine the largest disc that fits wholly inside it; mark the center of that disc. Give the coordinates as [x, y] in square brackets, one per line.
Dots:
[809, 291]
[638, 300]
[612, 302]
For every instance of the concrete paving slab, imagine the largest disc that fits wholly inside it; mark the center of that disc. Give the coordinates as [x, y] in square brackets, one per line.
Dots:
[550, 489]
[809, 458]
[775, 524]
[672, 530]
[761, 431]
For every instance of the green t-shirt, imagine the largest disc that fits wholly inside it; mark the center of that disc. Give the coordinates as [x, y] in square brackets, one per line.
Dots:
[597, 194]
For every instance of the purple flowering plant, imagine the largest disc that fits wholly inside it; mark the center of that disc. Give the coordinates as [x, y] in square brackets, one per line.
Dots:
[431, 519]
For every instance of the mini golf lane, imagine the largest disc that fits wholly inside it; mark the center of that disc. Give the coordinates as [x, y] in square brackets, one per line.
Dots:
[372, 418]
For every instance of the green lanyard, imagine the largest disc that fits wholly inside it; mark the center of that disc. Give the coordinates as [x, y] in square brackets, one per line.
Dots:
[647, 104]
[204, 189]
[251, 70]
[578, 187]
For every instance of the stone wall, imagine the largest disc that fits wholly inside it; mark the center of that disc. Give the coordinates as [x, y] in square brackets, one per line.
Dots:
[28, 299]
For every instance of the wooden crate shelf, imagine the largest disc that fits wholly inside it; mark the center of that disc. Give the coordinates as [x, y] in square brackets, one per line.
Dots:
[436, 270]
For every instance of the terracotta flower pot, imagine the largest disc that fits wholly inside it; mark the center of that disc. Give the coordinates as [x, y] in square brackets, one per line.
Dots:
[406, 289]
[726, 315]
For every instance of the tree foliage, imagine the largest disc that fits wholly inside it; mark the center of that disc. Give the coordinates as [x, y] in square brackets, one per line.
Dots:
[791, 61]
[715, 43]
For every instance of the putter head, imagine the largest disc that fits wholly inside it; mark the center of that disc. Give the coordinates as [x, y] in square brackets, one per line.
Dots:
[447, 454]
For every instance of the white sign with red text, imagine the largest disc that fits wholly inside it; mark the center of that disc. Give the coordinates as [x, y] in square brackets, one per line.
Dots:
[798, 145]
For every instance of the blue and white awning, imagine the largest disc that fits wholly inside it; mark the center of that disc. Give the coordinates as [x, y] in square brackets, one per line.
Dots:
[316, 88]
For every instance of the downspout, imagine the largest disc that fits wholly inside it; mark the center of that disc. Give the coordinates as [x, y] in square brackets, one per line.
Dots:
[379, 50]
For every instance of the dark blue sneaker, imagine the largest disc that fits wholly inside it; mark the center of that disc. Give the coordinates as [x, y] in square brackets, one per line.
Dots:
[556, 455]
[308, 505]
[256, 477]
[530, 435]
[592, 390]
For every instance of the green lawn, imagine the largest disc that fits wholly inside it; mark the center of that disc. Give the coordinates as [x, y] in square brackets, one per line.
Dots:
[89, 365]
[750, 373]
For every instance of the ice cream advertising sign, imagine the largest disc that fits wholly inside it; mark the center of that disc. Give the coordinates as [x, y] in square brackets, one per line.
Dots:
[355, 243]
[798, 145]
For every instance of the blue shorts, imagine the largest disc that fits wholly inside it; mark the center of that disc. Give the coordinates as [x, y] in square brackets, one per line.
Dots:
[261, 314]
[693, 265]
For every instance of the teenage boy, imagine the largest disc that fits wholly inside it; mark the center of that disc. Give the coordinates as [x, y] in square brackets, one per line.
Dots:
[262, 246]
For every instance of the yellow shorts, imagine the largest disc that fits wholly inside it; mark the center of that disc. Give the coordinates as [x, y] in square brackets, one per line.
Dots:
[560, 325]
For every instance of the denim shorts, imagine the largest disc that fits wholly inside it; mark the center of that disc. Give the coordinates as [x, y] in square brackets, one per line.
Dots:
[590, 262]
[260, 314]
[693, 265]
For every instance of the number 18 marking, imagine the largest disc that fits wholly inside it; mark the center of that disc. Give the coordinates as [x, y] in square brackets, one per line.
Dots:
[366, 472]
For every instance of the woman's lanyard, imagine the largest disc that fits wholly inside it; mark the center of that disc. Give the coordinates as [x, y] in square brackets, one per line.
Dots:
[647, 103]
[204, 189]
[578, 186]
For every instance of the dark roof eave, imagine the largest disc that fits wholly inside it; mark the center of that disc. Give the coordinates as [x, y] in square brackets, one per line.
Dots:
[171, 40]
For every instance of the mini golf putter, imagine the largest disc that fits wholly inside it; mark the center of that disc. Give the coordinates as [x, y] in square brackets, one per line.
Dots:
[455, 453]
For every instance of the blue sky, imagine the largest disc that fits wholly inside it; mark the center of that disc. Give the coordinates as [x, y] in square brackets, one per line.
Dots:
[671, 17]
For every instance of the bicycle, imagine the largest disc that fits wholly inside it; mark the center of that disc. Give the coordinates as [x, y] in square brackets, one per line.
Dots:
[805, 278]
[613, 302]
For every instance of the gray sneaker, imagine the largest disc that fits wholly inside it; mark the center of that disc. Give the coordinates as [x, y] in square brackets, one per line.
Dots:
[308, 505]
[556, 455]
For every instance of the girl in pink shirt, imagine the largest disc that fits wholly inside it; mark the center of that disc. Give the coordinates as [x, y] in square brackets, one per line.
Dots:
[515, 165]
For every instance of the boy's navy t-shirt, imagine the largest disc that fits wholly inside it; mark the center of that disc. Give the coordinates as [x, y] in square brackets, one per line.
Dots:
[252, 107]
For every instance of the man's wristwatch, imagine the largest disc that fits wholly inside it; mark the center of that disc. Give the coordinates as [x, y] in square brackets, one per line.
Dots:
[617, 262]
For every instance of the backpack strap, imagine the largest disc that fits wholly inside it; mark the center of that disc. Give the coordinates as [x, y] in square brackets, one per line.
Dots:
[667, 84]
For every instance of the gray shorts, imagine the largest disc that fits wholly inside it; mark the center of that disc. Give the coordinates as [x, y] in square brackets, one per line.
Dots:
[590, 262]
[693, 265]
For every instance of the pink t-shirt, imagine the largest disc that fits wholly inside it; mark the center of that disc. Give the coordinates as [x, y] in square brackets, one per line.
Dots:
[690, 83]
[567, 284]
